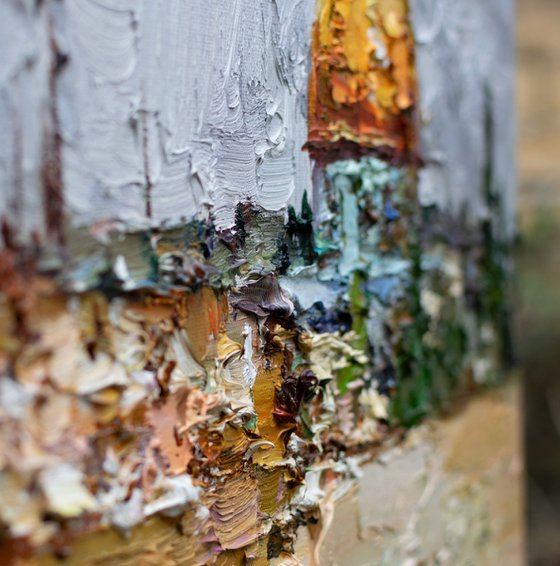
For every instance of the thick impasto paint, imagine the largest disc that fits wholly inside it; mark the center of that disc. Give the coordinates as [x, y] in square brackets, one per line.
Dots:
[242, 254]
[363, 86]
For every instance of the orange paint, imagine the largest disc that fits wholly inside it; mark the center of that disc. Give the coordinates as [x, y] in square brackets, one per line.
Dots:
[362, 87]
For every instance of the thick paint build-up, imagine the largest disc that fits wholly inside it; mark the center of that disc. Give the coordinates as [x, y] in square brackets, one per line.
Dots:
[363, 84]
[236, 268]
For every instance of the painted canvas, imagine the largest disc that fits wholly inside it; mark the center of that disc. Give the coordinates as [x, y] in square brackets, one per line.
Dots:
[247, 248]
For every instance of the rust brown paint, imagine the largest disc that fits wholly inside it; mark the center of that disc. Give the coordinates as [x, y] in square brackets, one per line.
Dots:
[362, 88]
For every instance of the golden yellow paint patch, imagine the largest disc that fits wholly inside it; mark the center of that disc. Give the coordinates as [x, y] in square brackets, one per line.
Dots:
[269, 489]
[362, 86]
[267, 382]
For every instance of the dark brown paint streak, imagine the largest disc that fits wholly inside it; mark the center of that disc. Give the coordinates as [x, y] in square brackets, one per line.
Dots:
[145, 154]
[53, 190]
[325, 152]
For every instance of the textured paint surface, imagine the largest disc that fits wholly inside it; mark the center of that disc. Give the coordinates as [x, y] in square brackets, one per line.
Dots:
[363, 85]
[204, 332]
[139, 82]
[164, 108]
[465, 61]
[452, 493]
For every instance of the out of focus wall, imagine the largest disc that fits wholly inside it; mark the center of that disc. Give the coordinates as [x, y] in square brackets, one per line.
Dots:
[538, 268]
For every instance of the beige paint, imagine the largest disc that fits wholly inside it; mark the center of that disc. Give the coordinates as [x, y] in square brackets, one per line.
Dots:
[451, 494]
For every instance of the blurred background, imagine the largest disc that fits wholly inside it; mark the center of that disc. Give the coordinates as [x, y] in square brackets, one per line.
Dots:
[538, 269]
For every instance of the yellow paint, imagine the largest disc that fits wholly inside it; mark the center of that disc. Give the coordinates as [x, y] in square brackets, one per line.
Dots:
[362, 80]
[267, 382]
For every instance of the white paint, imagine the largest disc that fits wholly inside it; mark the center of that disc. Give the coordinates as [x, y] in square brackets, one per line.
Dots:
[250, 370]
[24, 111]
[63, 488]
[463, 50]
[179, 492]
[206, 101]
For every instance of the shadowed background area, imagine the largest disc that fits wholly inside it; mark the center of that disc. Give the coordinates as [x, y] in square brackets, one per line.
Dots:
[538, 263]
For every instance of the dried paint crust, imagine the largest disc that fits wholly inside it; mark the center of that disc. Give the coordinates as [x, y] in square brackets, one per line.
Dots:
[363, 86]
[196, 391]
[210, 379]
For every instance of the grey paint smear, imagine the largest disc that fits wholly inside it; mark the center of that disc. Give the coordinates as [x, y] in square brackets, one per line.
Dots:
[25, 60]
[307, 291]
[464, 59]
[170, 109]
